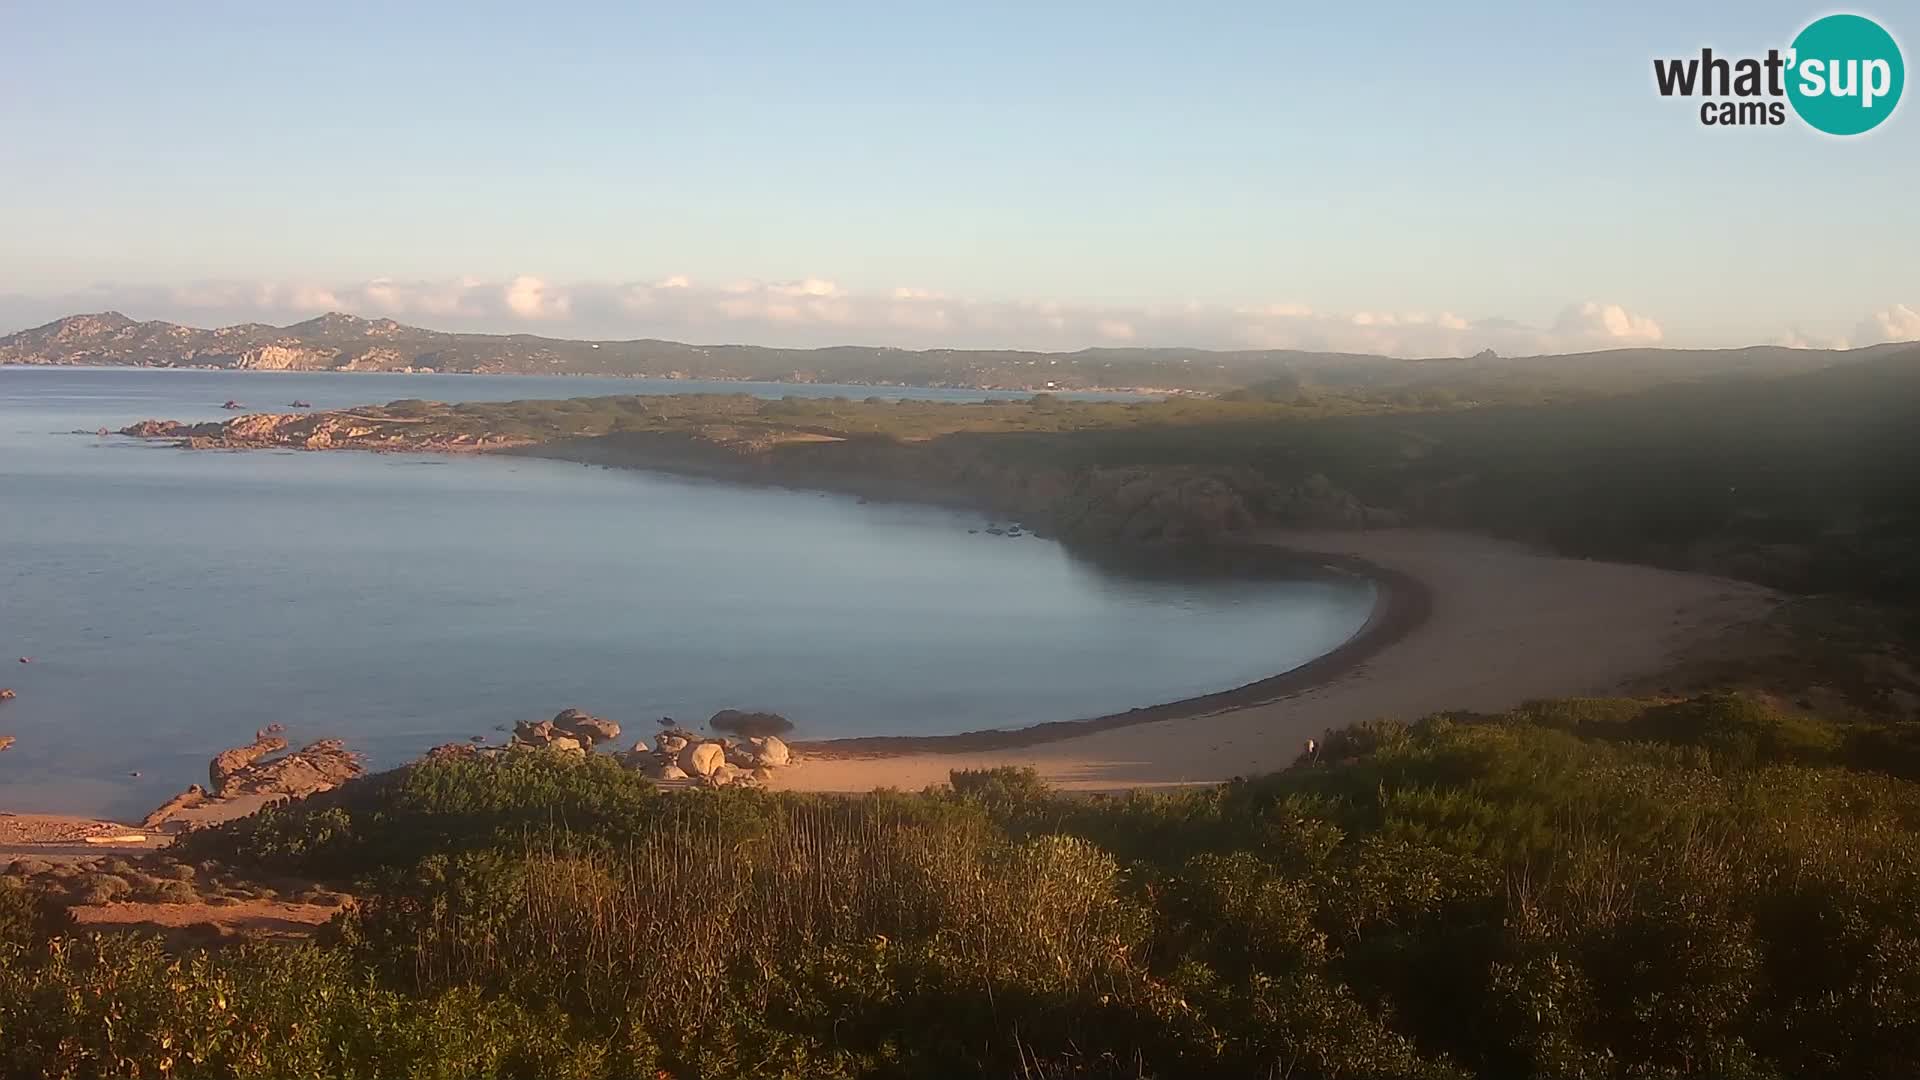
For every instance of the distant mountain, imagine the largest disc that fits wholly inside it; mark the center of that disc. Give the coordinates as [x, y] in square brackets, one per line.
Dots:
[338, 342]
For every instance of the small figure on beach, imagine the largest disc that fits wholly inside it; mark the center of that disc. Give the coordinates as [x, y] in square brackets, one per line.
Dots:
[1311, 751]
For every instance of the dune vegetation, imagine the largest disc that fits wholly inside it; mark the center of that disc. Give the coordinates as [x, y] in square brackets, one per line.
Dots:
[1592, 888]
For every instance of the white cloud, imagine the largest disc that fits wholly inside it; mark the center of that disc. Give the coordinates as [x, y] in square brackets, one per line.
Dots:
[1897, 323]
[530, 298]
[1606, 324]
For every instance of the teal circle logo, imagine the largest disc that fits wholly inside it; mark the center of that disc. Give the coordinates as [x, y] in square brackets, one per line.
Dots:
[1845, 75]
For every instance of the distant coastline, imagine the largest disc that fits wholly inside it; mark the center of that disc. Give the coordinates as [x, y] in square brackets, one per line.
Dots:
[1143, 392]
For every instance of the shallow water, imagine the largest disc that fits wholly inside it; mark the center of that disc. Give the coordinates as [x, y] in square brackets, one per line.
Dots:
[174, 601]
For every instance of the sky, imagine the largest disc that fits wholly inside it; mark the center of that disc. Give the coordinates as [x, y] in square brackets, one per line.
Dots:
[1405, 177]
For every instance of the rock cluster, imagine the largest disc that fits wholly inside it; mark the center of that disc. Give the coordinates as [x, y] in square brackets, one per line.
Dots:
[253, 769]
[678, 754]
[570, 730]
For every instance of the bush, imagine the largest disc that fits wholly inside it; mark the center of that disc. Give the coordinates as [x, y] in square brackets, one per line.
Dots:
[1585, 888]
[171, 892]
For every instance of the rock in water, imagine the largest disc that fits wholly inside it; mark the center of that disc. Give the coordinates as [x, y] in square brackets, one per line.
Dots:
[702, 759]
[318, 766]
[6, 742]
[228, 763]
[589, 729]
[534, 734]
[6, 694]
[749, 723]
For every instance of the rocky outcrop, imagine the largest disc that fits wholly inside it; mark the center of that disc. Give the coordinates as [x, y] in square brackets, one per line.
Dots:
[6, 742]
[680, 755]
[229, 763]
[570, 730]
[252, 770]
[589, 729]
[6, 694]
[195, 795]
[318, 766]
[368, 429]
[285, 357]
[749, 723]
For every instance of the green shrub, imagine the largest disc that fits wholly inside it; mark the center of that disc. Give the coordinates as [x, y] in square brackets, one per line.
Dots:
[1584, 889]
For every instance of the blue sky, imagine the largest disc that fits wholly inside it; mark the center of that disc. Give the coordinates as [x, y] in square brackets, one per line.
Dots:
[1404, 176]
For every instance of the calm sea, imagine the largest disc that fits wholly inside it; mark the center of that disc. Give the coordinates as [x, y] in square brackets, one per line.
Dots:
[174, 601]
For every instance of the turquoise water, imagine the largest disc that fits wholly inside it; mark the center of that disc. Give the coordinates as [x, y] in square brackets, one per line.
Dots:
[174, 601]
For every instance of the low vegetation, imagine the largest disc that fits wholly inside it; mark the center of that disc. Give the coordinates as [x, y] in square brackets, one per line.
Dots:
[1589, 888]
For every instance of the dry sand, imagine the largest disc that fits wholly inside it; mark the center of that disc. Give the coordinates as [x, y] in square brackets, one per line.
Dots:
[1504, 624]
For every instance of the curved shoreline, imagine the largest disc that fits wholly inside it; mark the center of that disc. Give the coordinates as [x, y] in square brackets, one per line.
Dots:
[1461, 621]
[1402, 603]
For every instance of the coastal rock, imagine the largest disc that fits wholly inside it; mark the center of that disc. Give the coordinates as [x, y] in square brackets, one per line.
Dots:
[722, 776]
[318, 766]
[155, 429]
[6, 742]
[762, 774]
[587, 728]
[671, 744]
[566, 744]
[640, 746]
[228, 763]
[703, 759]
[534, 733]
[770, 752]
[6, 694]
[749, 723]
[194, 796]
[667, 771]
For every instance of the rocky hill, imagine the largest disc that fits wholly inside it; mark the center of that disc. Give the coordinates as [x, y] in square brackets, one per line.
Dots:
[337, 342]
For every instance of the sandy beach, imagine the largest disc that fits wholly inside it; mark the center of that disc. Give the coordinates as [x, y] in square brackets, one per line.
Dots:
[1503, 624]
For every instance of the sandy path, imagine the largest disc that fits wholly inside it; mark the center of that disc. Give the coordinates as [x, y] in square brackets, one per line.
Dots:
[63, 838]
[1507, 624]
